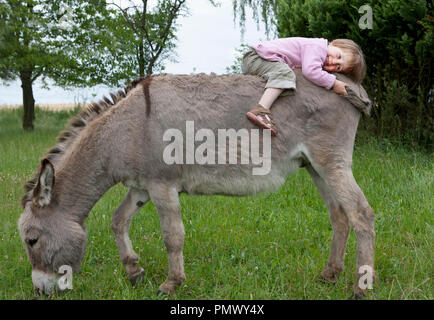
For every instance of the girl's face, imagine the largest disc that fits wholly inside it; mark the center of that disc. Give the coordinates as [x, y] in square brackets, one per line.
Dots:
[336, 61]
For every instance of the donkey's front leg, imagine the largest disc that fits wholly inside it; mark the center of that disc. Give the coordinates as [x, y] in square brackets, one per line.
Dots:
[121, 222]
[165, 199]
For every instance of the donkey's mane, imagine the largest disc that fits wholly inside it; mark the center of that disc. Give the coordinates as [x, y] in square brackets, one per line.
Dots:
[79, 122]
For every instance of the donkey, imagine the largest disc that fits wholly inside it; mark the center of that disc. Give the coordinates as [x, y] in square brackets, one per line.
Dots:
[123, 141]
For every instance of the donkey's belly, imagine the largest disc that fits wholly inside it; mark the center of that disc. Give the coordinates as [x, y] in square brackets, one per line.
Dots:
[237, 180]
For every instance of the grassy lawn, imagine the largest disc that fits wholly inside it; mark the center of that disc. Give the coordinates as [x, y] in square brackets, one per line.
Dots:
[271, 246]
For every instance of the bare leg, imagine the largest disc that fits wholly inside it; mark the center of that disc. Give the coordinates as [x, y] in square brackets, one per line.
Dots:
[340, 225]
[269, 96]
[121, 222]
[165, 199]
[260, 114]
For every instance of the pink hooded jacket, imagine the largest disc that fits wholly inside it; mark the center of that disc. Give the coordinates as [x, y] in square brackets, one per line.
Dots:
[309, 54]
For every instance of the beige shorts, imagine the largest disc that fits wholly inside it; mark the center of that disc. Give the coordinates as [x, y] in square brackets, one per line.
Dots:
[278, 74]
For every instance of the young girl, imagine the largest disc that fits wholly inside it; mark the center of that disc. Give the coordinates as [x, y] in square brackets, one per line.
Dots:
[274, 61]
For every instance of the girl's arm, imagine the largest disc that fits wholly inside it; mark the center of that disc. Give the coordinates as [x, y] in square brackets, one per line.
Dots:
[312, 60]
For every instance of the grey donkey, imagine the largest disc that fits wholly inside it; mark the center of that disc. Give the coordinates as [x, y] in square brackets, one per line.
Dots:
[123, 140]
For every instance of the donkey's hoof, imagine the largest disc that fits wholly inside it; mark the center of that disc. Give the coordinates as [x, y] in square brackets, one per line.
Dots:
[356, 296]
[161, 293]
[330, 275]
[358, 293]
[165, 290]
[327, 281]
[138, 277]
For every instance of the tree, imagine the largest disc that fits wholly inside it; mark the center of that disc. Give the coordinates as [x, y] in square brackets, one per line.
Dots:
[263, 10]
[40, 38]
[151, 31]
[78, 43]
[20, 51]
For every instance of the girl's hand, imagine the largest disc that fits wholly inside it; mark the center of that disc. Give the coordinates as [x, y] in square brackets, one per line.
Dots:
[339, 87]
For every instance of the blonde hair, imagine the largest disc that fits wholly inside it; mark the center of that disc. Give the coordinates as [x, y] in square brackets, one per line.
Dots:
[356, 64]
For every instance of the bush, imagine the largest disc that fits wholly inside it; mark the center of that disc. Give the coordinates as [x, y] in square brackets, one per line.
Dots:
[398, 51]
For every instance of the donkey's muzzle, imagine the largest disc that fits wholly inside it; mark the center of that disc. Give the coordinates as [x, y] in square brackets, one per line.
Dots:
[45, 283]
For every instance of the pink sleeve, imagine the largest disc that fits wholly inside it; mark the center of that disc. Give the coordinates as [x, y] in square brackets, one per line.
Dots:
[311, 66]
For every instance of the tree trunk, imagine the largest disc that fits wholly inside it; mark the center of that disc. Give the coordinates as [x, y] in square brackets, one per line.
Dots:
[149, 70]
[28, 100]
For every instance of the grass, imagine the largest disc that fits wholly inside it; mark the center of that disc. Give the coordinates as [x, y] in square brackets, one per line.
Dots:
[270, 246]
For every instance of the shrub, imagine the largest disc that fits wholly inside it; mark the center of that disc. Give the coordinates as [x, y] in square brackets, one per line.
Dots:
[398, 51]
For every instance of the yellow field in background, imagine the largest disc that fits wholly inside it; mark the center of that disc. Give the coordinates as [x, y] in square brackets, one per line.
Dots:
[50, 107]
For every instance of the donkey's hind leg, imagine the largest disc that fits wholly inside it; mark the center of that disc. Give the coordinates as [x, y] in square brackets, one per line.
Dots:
[340, 225]
[361, 217]
[121, 222]
[165, 198]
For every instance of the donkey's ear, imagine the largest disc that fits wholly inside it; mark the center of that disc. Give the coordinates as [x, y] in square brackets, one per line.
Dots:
[44, 187]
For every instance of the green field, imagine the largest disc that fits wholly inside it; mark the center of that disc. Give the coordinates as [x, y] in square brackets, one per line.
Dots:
[271, 246]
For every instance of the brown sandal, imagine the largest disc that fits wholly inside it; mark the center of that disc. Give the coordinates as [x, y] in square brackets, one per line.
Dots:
[262, 118]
